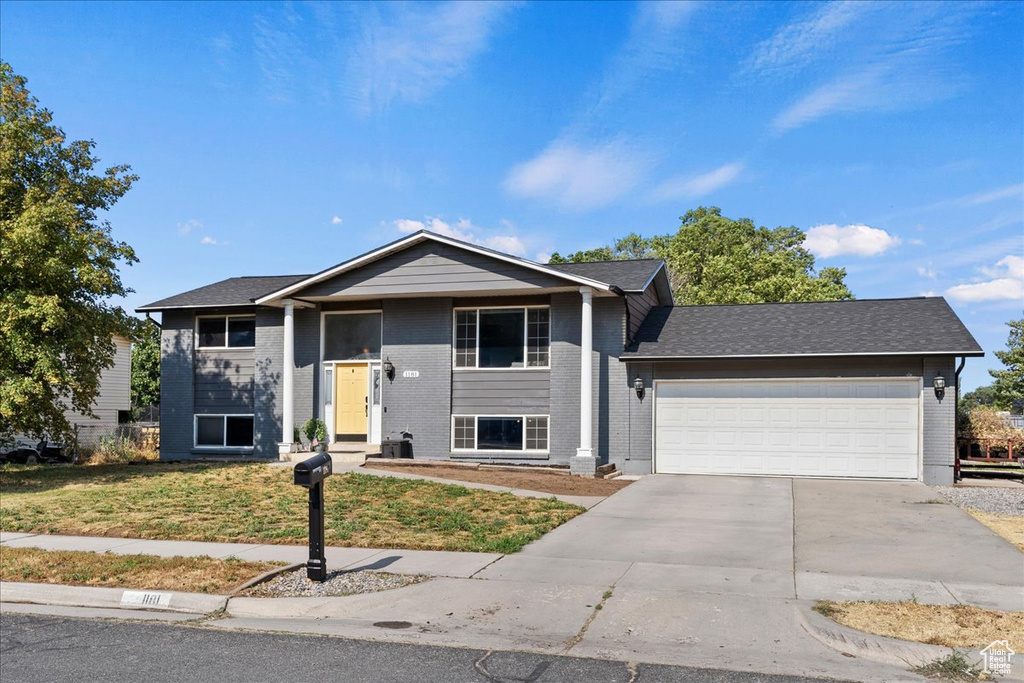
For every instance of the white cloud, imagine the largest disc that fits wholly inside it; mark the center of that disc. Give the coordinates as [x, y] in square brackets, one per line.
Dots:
[698, 185]
[211, 241]
[409, 51]
[862, 240]
[336, 220]
[579, 178]
[189, 226]
[464, 230]
[1008, 192]
[542, 257]
[927, 272]
[798, 43]
[1006, 283]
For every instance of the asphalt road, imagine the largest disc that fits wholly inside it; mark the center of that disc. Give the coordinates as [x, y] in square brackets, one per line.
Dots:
[37, 648]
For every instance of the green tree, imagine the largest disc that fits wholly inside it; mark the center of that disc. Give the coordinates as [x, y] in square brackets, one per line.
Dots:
[713, 259]
[1009, 382]
[146, 367]
[982, 396]
[58, 267]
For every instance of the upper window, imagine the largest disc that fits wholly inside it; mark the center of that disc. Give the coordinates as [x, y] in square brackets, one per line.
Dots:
[502, 338]
[352, 336]
[227, 331]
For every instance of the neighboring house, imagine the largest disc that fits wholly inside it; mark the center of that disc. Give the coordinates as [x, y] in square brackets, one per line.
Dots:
[495, 358]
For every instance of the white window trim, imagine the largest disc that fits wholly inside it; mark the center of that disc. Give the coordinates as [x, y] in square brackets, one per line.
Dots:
[224, 427]
[225, 316]
[476, 433]
[526, 338]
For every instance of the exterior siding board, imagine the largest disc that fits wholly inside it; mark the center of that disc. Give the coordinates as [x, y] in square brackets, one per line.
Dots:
[639, 306]
[428, 268]
[176, 385]
[224, 381]
[485, 392]
[939, 418]
[417, 338]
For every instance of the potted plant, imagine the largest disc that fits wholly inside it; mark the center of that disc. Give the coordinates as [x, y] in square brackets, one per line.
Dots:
[316, 431]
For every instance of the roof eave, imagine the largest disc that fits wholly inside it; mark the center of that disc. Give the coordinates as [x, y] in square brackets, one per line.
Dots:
[625, 357]
[153, 308]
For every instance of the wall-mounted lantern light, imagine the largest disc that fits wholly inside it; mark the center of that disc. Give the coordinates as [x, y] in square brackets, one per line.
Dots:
[638, 384]
[389, 369]
[939, 384]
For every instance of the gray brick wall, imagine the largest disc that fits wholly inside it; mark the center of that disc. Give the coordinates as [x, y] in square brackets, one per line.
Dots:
[417, 336]
[269, 358]
[307, 364]
[938, 443]
[177, 376]
[564, 425]
[612, 388]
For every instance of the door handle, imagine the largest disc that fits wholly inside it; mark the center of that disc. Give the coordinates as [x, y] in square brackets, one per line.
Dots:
[366, 406]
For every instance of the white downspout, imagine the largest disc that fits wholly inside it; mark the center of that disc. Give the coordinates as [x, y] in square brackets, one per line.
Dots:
[586, 375]
[288, 378]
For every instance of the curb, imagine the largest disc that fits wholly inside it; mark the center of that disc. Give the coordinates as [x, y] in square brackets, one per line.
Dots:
[115, 598]
[881, 649]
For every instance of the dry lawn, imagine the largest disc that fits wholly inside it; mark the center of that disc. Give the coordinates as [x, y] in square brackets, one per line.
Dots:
[958, 626]
[191, 574]
[1010, 527]
[545, 482]
[259, 504]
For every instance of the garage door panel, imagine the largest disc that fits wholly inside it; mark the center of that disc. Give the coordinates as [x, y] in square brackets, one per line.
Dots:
[843, 428]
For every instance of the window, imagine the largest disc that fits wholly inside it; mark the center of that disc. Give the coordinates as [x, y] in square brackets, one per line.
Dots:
[352, 336]
[499, 433]
[502, 338]
[224, 431]
[227, 331]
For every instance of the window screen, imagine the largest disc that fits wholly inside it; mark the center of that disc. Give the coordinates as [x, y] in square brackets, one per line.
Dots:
[501, 338]
[536, 433]
[465, 339]
[352, 336]
[465, 433]
[537, 336]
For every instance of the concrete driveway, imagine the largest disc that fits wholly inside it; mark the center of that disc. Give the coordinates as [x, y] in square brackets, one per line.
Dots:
[779, 538]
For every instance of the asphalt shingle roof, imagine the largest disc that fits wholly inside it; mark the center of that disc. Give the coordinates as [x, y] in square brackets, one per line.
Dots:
[925, 325]
[630, 276]
[236, 291]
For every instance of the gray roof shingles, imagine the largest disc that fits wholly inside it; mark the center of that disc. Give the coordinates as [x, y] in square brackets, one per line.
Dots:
[918, 326]
[236, 291]
[629, 276]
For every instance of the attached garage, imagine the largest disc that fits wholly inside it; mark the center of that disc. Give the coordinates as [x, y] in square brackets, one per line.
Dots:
[861, 428]
[851, 389]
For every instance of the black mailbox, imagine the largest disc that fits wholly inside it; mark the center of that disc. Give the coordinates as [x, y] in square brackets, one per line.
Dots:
[313, 470]
[311, 473]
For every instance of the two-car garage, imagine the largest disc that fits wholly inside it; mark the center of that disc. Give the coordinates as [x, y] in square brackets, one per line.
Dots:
[861, 428]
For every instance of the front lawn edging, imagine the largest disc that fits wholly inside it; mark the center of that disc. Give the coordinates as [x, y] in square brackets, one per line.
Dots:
[266, 576]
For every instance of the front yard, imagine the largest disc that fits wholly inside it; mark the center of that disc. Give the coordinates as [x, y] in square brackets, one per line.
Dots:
[259, 504]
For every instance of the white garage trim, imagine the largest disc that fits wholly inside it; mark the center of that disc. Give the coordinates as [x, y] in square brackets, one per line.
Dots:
[720, 448]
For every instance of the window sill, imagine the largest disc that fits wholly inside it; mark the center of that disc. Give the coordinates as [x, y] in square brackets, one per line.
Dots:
[499, 455]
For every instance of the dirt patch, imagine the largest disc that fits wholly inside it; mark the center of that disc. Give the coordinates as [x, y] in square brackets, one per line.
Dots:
[81, 568]
[1010, 527]
[959, 626]
[532, 480]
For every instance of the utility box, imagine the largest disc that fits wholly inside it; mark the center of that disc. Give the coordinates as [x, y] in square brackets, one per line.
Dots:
[395, 448]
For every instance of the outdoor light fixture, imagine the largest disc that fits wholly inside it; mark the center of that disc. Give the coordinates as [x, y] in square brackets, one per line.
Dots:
[638, 384]
[389, 369]
[939, 383]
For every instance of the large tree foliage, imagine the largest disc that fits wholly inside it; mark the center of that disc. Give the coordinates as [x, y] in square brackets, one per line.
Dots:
[713, 259]
[58, 267]
[1009, 384]
[146, 367]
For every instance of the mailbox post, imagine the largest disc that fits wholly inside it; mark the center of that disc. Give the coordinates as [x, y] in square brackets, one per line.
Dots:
[311, 474]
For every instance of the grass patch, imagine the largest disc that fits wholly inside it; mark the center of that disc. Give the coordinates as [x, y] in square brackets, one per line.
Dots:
[255, 503]
[955, 626]
[953, 667]
[1010, 527]
[77, 568]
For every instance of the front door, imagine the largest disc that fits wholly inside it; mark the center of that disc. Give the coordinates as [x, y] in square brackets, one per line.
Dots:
[351, 402]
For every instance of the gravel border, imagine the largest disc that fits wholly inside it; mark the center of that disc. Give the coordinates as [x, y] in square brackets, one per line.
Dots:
[294, 584]
[993, 500]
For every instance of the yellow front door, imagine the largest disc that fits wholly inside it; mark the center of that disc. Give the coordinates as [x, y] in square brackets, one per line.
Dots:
[350, 401]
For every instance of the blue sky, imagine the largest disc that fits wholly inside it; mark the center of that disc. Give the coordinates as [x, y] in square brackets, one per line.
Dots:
[279, 138]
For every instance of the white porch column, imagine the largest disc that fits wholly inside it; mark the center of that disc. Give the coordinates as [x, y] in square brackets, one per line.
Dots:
[586, 375]
[288, 377]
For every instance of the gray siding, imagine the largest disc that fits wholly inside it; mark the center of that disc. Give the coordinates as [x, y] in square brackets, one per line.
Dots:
[431, 268]
[494, 392]
[938, 417]
[639, 306]
[176, 385]
[417, 336]
[224, 381]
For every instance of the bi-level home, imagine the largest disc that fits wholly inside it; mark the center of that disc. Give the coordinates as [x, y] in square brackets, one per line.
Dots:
[472, 354]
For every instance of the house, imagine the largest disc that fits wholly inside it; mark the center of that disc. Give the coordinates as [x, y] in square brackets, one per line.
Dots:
[475, 355]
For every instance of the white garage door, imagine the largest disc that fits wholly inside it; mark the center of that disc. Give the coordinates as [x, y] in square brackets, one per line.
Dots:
[823, 428]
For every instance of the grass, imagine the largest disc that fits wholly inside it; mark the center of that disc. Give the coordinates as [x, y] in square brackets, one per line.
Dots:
[1010, 527]
[953, 667]
[77, 568]
[259, 504]
[955, 626]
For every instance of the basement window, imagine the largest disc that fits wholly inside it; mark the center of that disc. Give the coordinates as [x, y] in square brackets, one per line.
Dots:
[224, 431]
[500, 433]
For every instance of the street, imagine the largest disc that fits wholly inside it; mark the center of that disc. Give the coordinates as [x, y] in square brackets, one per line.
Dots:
[37, 648]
